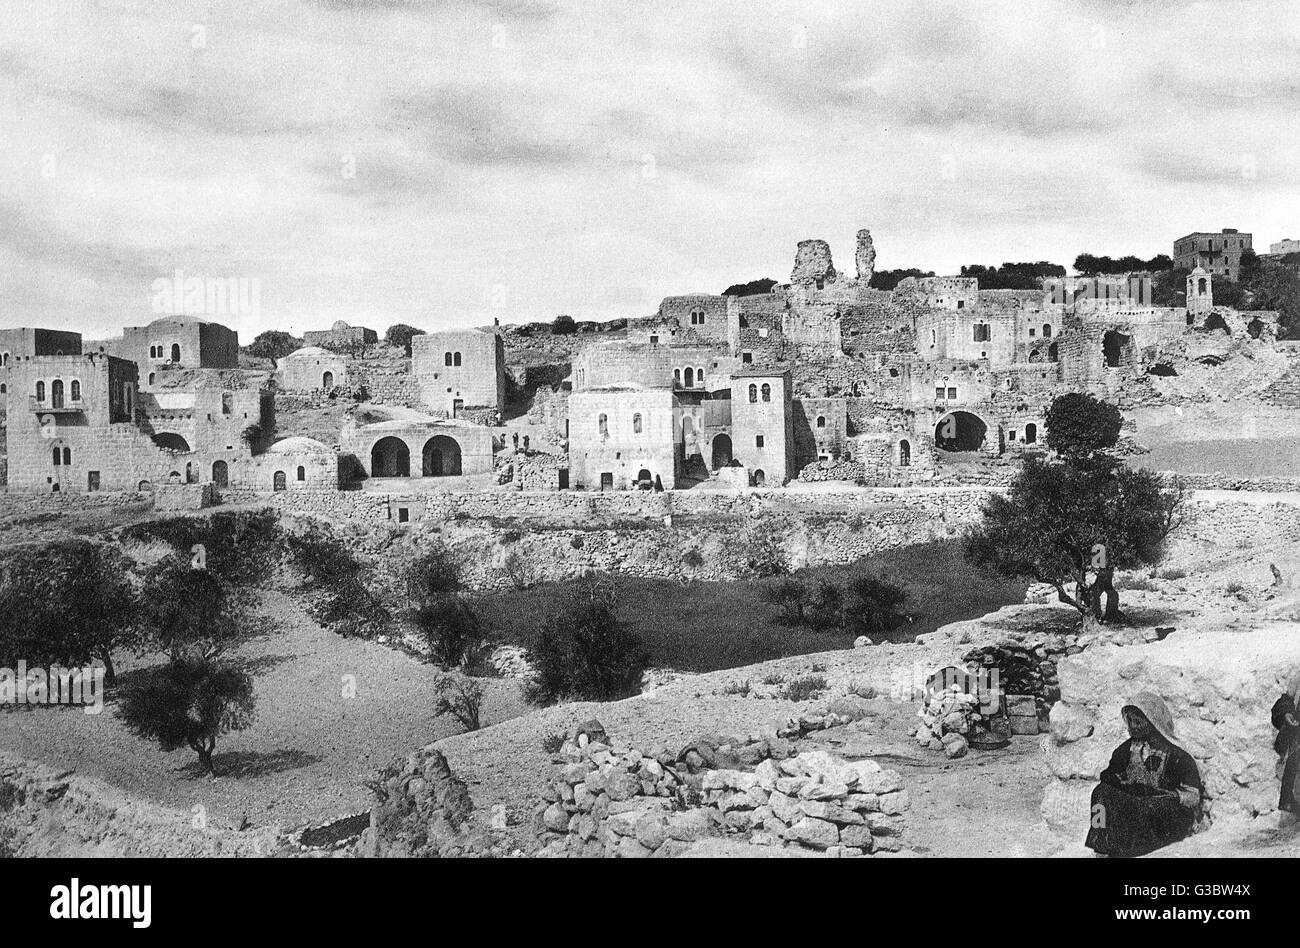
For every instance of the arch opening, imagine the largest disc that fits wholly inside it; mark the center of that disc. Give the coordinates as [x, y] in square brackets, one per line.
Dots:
[960, 431]
[220, 474]
[390, 457]
[171, 441]
[440, 457]
[722, 455]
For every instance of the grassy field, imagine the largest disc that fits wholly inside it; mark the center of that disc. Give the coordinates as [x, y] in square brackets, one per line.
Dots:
[709, 626]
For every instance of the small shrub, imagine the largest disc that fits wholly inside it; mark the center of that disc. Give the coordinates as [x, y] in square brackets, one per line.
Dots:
[460, 697]
[862, 689]
[818, 667]
[452, 632]
[519, 571]
[805, 688]
[1140, 583]
[872, 606]
[586, 653]
[1174, 573]
[552, 743]
[576, 543]
[738, 688]
[792, 598]
[693, 558]
[773, 679]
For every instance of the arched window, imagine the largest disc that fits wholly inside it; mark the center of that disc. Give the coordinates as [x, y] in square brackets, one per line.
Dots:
[278, 481]
[636, 423]
[227, 403]
[821, 421]
[40, 391]
[56, 393]
[67, 456]
[1047, 330]
[753, 393]
[699, 376]
[58, 457]
[904, 453]
[677, 377]
[176, 352]
[767, 392]
[603, 424]
[75, 389]
[690, 378]
[302, 473]
[446, 358]
[455, 359]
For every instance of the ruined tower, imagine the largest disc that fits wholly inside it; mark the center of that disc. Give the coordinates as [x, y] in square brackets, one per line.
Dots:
[812, 264]
[866, 256]
[1200, 292]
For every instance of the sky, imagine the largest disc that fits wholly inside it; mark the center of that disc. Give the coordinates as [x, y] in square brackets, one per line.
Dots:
[449, 163]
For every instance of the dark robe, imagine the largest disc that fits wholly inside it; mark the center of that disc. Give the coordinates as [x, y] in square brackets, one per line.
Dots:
[1287, 746]
[1129, 815]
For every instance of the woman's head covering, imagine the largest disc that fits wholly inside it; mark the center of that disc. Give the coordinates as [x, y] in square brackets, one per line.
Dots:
[1153, 707]
[1294, 690]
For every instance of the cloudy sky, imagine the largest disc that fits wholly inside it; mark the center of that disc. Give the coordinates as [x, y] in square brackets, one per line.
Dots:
[447, 163]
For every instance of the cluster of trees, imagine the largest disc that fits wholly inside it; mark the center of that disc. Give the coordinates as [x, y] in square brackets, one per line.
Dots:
[888, 279]
[1089, 264]
[1013, 276]
[1074, 519]
[273, 344]
[399, 336]
[74, 603]
[752, 288]
[868, 605]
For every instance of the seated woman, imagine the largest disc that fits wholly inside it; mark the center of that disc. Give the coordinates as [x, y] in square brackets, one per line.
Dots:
[1286, 718]
[1150, 794]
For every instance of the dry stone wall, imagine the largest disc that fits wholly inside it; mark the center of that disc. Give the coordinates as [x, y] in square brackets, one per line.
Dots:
[612, 800]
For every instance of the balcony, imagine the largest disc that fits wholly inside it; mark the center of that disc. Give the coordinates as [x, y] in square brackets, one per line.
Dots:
[48, 407]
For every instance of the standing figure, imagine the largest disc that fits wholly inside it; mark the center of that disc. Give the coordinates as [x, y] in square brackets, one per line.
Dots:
[1150, 793]
[1286, 718]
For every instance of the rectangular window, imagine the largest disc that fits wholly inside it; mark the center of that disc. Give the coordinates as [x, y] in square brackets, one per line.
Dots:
[747, 357]
[758, 441]
[92, 480]
[403, 514]
[981, 332]
[938, 391]
[952, 393]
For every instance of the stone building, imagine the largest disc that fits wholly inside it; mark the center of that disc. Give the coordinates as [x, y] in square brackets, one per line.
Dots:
[420, 454]
[20, 344]
[1219, 254]
[312, 368]
[459, 370]
[623, 437]
[762, 425]
[177, 342]
[341, 336]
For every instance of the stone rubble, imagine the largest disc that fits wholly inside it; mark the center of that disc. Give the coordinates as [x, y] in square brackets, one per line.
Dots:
[612, 800]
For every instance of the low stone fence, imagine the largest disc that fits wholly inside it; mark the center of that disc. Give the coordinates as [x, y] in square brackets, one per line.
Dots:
[613, 800]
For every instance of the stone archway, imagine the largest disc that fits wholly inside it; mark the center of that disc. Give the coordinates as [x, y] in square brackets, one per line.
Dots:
[171, 441]
[390, 457]
[722, 455]
[960, 431]
[220, 474]
[327, 381]
[440, 457]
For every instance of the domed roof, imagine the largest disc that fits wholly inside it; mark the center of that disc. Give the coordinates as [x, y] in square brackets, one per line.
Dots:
[298, 445]
[308, 352]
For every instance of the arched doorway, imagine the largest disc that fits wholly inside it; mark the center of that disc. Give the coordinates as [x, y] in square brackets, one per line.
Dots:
[278, 483]
[904, 453]
[56, 393]
[220, 474]
[959, 431]
[176, 352]
[390, 457]
[644, 479]
[721, 451]
[1113, 345]
[327, 381]
[1031, 433]
[760, 479]
[441, 457]
[191, 475]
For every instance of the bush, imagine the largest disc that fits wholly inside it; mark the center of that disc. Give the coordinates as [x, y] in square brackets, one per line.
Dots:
[872, 606]
[586, 653]
[460, 697]
[242, 547]
[552, 743]
[792, 598]
[399, 336]
[341, 600]
[563, 325]
[186, 612]
[452, 632]
[805, 688]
